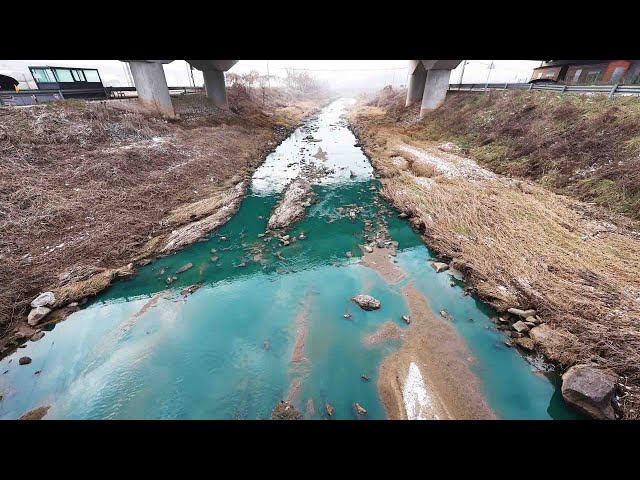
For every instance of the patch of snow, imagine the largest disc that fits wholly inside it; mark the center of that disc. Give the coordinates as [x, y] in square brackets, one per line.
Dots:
[450, 165]
[425, 182]
[416, 399]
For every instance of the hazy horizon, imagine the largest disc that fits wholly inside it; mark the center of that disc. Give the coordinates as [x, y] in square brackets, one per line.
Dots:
[341, 74]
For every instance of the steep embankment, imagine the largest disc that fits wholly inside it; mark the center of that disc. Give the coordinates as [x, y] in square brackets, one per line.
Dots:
[519, 244]
[87, 188]
[585, 146]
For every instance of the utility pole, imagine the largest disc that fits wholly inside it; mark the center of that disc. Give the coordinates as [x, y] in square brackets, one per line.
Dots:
[268, 75]
[124, 69]
[490, 68]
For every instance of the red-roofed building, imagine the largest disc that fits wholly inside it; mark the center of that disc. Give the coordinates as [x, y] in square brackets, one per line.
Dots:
[589, 72]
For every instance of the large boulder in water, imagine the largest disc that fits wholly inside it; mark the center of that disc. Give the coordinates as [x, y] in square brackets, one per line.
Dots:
[590, 390]
[366, 302]
[285, 411]
[296, 197]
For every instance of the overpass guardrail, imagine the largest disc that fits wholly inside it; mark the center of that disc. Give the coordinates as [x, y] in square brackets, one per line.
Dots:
[610, 90]
[34, 97]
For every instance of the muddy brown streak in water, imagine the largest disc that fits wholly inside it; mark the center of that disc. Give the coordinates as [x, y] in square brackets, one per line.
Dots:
[443, 360]
[388, 331]
[442, 357]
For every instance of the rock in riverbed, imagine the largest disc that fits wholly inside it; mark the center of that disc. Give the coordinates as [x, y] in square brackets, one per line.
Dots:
[368, 249]
[522, 313]
[37, 336]
[520, 327]
[24, 361]
[446, 315]
[366, 302]
[190, 289]
[406, 319]
[329, 408]
[360, 410]
[590, 390]
[285, 411]
[37, 314]
[291, 206]
[525, 343]
[44, 299]
[439, 266]
[184, 268]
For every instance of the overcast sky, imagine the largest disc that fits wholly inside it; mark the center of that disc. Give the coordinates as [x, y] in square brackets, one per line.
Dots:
[340, 73]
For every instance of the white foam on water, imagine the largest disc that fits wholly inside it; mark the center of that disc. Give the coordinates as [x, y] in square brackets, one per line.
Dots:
[341, 156]
[417, 401]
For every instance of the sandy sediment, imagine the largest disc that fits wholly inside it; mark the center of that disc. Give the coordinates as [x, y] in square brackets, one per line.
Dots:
[301, 334]
[299, 366]
[294, 390]
[379, 261]
[311, 409]
[388, 331]
[35, 414]
[430, 377]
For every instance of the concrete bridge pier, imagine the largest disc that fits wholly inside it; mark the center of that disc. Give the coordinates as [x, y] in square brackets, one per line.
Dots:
[435, 90]
[417, 79]
[432, 77]
[213, 73]
[151, 85]
[215, 87]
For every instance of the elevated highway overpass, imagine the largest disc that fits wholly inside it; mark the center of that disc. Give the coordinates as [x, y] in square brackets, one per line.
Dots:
[428, 82]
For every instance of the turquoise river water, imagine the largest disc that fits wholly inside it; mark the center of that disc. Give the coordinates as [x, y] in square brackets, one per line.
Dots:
[225, 352]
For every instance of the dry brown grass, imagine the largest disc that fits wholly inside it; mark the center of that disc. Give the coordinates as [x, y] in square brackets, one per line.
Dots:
[586, 146]
[522, 245]
[84, 186]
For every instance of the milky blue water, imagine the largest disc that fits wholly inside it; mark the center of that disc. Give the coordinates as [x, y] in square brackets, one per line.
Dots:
[203, 356]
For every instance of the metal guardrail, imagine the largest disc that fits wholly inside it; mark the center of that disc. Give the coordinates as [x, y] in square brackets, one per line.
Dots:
[33, 97]
[118, 92]
[611, 90]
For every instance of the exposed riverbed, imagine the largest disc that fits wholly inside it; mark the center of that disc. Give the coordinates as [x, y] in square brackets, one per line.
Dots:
[262, 328]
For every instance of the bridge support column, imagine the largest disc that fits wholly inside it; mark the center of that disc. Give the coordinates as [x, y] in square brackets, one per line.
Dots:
[216, 90]
[152, 88]
[415, 87]
[435, 90]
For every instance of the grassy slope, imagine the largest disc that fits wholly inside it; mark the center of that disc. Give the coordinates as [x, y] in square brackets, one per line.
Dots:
[586, 146]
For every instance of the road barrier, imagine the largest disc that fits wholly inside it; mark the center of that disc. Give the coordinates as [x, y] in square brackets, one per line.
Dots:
[34, 97]
[610, 90]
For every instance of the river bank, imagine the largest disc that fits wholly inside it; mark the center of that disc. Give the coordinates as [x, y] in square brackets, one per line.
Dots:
[90, 192]
[253, 317]
[518, 245]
